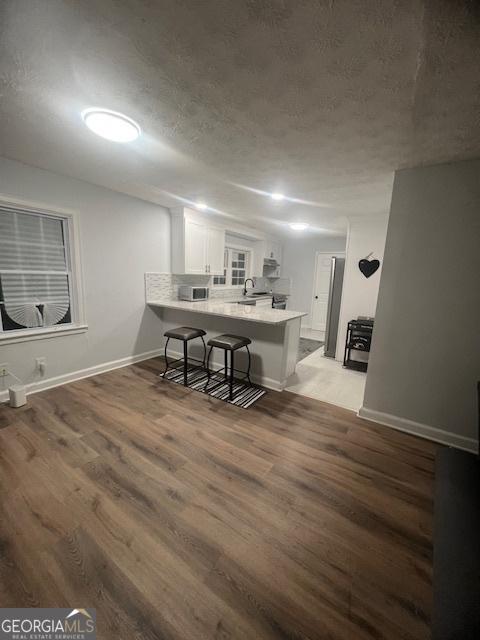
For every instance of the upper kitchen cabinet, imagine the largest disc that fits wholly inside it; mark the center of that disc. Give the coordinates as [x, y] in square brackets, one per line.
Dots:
[267, 258]
[198, 247]
[215, 248]
[273, 250]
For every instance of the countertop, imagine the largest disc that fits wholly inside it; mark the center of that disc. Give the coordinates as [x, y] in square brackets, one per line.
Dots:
[231, 310]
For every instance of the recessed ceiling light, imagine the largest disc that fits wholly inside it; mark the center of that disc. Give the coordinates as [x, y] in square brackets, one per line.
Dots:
[298, 226]
[111, 125]
[201, 205]
[277, 196]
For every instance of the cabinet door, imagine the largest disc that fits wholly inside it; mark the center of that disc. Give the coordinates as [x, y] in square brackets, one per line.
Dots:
[195, 247]
[277, 251]
[215, 251]
[268, 249]
[258, 256]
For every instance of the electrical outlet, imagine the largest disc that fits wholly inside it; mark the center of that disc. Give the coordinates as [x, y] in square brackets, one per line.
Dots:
[41, 364]
[3, 369]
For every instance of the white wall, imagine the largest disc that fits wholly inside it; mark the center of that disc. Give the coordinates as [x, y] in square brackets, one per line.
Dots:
[359, 294]
[121, 238]
[299, 265]
[425, 360]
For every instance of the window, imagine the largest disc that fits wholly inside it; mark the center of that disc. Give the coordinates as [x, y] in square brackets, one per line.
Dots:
[36, 288]
[236, 268]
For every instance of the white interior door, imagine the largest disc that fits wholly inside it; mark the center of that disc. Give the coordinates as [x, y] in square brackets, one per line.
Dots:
[320, 291]
[195, 247]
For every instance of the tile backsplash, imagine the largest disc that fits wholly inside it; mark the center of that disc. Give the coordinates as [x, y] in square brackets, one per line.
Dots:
[158, 286]
[164, 286]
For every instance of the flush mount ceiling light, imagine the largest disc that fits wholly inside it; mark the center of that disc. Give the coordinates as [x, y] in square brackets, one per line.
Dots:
[277, 196]
[201, 206]
[298, 226]
[111, 125]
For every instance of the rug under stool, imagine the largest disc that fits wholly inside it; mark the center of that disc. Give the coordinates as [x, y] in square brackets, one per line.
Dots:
[243, 395]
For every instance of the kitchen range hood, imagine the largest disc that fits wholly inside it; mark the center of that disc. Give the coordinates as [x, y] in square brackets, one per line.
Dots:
[270, 262]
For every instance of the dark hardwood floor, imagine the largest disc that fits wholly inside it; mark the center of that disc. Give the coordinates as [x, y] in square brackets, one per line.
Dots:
[181, 517]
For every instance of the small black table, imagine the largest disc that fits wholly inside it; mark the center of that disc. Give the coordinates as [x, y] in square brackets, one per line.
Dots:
[359, 338]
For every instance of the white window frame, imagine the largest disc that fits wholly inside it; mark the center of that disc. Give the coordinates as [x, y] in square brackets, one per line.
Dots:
[248, 260]
[75, 274]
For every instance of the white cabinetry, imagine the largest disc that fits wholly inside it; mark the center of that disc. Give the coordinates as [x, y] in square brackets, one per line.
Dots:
[195, 242]
[267, 249]
[215, 245]
[273, 250]
[266, 304]
[197, 246]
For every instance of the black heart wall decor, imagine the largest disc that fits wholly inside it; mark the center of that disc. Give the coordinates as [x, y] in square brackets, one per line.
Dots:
[368, 267]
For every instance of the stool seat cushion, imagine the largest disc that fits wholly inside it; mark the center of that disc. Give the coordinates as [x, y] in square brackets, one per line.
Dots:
[184, 333]
[229, 342]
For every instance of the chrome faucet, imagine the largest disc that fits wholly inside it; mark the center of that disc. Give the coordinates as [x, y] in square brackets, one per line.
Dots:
[245, 285]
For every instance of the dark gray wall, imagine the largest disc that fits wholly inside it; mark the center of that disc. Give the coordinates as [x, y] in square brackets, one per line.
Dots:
[425, 359]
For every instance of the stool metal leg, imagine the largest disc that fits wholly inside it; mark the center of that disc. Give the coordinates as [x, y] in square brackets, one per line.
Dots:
[226, 364]
[166, 359]
[249, 363]
[208, 370]
[185, 362]
[204, 352]
[232, 371]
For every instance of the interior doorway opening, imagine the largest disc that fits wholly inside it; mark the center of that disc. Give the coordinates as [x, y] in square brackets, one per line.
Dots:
[318, 374]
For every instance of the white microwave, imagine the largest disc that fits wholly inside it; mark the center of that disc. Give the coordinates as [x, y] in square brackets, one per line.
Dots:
[187, 292]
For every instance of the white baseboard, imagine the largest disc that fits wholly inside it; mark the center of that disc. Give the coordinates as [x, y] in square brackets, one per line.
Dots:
[418, 429]
[49, 383]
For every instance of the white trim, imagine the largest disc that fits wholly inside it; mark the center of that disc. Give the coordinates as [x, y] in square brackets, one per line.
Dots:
[34, 206]
[334, 254]
[248, 251]
[418, 429]
[73, 256]
[50, 383]
[238, 246]
[42, 385]
[12, 337]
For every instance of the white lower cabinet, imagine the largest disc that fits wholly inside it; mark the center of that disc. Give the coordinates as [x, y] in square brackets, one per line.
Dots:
[267, 304]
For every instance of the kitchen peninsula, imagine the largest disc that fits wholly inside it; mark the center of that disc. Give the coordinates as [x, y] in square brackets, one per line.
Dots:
[274, 333]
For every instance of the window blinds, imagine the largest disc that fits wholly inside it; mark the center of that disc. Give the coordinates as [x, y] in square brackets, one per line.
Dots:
[34, 278]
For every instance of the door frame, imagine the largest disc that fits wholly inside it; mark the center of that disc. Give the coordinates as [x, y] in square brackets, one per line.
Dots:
[333, 254]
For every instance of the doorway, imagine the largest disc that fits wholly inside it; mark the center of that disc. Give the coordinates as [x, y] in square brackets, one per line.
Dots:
[321, 289]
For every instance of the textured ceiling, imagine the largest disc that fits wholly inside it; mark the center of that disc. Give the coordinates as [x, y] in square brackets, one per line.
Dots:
[321, 100]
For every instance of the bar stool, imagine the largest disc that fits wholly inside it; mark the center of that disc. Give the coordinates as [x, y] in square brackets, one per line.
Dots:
[229, 344]
[184, 334]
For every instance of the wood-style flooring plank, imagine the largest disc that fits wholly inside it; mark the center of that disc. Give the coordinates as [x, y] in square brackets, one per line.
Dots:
[180, 517]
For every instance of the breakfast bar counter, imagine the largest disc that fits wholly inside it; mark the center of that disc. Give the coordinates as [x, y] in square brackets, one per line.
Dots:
[235, 310]
[275, 333]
